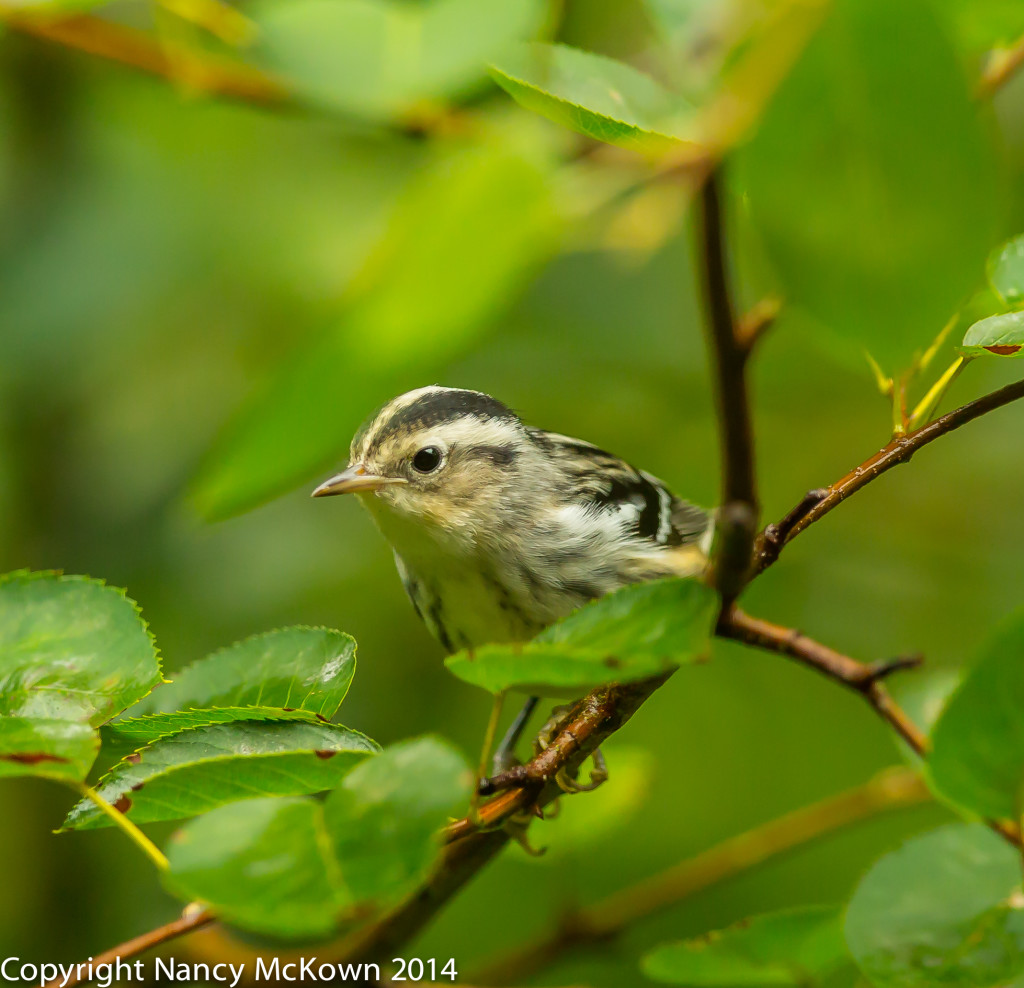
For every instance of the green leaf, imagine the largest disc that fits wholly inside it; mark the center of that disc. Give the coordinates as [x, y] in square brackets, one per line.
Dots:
[1006, 271]
[73, 653]
[1000, 336]
[71, 648]
[674, 18]
[461, 244]
[301, 668]
[378, 59]
[878, 216]
[642, 630]
[977, 757]
[261, 864]
[136, 731]
[197, 770]
[981, 25]
[593, 95]
[383, 820]
[55, 749]
[305, 868]
[792, 947]
[944, 909]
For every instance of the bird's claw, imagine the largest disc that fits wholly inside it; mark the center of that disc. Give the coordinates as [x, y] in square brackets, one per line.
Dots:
[598, 776]
[516, 826]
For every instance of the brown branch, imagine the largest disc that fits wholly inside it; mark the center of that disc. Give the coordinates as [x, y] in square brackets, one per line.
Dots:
[863, 678]
[597, 923]
[815, 505]
[737, 518]
[117, 43]
[588, 724]
[192, 918]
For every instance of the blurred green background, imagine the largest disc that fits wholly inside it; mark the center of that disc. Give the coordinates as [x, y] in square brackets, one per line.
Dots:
[167, 260]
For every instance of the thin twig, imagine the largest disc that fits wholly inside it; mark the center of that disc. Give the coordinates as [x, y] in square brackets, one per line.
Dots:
[770, 543]
[892, 789]
[191, 919]
[737, 518]
[117, 43]
[863, 678]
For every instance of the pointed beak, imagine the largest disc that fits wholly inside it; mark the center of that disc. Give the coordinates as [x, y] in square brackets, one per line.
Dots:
[352, 480]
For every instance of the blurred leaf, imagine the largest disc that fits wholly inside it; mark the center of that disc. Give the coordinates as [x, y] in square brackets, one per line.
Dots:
[261, 864]
[194, 771]
[944, 909]
[71, 648]
[384, 818]
[378, 58]
[460, 246]
[73, 652]
[302, 668]
[55, 749]
[639, 631]
[672, 17]
[1006, 270]
[983, 24]
[977, 757]
[301, 867]
[879, 215]
[593, 95]
[1000, 336]
[793, 947]
[981, 305]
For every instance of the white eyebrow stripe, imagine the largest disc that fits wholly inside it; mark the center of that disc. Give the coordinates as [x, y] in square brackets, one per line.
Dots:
[470, 429]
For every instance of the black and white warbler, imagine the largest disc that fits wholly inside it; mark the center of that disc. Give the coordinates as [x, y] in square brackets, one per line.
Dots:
[499, 529]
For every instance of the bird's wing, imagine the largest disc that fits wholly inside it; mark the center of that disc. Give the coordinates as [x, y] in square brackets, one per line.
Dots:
[605, 483]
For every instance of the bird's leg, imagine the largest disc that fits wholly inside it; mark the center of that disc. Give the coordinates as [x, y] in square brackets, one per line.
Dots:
[566, 782]
[505, 756]
[492, 728]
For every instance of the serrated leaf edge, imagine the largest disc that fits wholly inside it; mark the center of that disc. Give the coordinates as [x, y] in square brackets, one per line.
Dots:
[373, 749]
[28, 575]
[254, 637]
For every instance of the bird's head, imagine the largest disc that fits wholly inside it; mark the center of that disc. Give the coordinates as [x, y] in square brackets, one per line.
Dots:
[436, 464]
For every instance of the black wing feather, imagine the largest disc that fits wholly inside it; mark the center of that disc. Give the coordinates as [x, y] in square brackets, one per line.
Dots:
[603, 480]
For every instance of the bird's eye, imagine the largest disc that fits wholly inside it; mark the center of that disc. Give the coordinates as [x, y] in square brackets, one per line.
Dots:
[427, 459]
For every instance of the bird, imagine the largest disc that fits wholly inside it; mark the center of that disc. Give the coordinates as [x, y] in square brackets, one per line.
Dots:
[500, 529]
